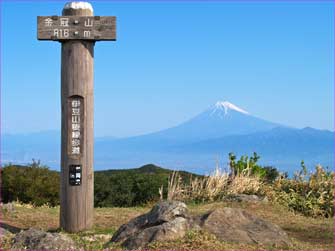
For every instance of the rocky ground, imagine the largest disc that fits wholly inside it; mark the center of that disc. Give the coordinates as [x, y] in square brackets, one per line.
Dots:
[243, 223]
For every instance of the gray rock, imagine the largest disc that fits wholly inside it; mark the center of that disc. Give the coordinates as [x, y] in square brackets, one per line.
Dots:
[164, 232]
[170, 221]
[36, 239]
[236, 225]
[167, 220]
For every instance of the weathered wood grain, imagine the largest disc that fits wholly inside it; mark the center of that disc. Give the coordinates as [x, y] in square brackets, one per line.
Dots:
[62, 28]
[76, 209]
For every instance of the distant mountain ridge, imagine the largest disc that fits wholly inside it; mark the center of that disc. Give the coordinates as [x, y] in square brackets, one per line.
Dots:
[192, 145]
[279, 141]
[221, 119]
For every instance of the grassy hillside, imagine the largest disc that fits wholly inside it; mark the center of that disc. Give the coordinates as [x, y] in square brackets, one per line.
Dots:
[309, 193]
[306, 233]
[302, 205]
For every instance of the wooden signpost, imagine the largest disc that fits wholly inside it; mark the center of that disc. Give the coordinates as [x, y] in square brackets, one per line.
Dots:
[64, 28]
[77, 30]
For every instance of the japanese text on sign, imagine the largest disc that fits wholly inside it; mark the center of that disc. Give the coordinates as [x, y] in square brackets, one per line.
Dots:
[76, 27]
[75, 126]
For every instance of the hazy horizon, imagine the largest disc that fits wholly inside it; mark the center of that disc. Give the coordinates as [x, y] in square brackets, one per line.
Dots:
[159, 129]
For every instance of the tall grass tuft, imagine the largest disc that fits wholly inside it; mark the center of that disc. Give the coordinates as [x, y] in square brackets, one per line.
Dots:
[244, 183]
[212, 187]
[175, 190]
[209, 188]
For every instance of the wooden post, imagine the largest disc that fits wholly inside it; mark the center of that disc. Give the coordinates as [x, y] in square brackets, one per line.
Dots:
[78, 30]
[76, 209]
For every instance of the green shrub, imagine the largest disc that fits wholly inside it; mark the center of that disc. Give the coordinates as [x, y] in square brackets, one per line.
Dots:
[310, 194]
[126, 189]
[249, 165]
[37, 185]
[33, 184]
[113, 191]
[271, 174]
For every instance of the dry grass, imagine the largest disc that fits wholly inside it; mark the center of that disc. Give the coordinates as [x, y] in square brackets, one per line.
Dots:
[306, 233]
[244, 183]
[175, 190]
[212, 187]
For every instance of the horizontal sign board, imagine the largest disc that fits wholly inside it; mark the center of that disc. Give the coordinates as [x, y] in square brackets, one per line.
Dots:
[76, 28]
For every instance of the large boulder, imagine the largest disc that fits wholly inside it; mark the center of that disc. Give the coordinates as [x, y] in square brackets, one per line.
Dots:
[237, 225]
[167, 220]
[37, 239]
[170, 220]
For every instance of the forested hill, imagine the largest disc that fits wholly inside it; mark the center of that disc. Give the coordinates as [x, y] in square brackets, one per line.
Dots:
[131, 187]
[146, 169]
[37, 185]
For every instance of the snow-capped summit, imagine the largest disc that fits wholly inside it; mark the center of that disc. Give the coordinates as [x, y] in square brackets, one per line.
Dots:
[225, 106]
[220, 119]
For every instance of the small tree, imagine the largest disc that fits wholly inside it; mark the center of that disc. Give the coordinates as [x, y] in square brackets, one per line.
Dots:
[249, 165]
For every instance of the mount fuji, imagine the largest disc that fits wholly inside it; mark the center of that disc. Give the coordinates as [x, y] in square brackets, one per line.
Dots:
[222, 128]
[219, 120]
[193, 145]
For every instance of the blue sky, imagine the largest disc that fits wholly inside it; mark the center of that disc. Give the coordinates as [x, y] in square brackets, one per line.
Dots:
[173, 60]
